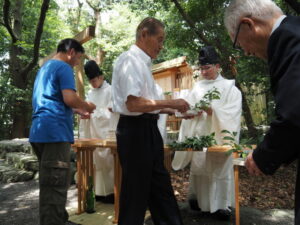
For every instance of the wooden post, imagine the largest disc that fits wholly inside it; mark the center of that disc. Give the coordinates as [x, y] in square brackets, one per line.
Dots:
[84, 36]
[79, 79]
[237, 204]
[236, 189]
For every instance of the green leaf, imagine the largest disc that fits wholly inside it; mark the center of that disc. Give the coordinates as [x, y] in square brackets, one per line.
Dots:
[225, 131]
[228, 138]
[229, 152]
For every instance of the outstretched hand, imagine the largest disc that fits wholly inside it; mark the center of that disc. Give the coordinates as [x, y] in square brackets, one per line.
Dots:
[181, 105]
[251, 166]
[209, 111]
[90, 107]
[83, 114]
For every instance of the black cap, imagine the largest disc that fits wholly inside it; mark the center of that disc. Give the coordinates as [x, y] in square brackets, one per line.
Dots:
[208, 55]
[92, 70]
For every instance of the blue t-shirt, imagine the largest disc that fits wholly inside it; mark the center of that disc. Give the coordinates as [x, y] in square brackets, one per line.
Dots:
[52, 119]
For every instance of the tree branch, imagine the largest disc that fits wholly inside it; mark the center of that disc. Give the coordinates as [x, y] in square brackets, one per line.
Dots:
[6, 9]
[190, 22]
[37, 40]
[95, 8]
[294, 4]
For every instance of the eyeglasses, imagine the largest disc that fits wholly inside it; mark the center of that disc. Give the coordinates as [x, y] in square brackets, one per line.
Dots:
[236, 37]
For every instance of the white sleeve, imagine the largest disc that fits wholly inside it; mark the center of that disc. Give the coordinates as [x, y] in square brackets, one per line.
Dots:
[228, 115]
[102, 112]
[131, 78]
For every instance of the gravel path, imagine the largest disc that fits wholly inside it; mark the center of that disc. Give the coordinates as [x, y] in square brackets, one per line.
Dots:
[19, 206]
[19, 202]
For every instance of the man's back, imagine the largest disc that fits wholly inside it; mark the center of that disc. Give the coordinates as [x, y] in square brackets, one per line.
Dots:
[50, 113]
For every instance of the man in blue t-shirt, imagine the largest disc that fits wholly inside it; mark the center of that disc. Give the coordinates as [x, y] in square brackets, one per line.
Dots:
[54, 100]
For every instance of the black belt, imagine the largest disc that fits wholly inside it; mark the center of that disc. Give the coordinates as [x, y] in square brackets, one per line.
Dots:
[148, 116]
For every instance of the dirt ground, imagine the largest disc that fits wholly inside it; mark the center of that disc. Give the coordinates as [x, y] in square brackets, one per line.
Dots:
[265, 192]
[260, 199]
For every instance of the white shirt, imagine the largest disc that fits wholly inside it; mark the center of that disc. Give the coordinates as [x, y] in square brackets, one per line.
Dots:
[277, 23]
[132, 76]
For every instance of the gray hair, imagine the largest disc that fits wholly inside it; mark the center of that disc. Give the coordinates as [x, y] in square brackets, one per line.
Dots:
[150, 24]
[260, 9]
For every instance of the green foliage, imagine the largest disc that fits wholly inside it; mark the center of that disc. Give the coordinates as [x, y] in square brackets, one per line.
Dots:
[118, 33]
[230, 139]
[168, 93]
[11, 97]
[195, 143]
[205, 102]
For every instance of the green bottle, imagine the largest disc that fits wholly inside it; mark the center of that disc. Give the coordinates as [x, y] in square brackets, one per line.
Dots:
[90, 196]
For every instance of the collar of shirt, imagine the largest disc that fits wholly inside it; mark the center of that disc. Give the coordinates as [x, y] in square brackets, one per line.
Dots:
[104, 85]
[277, 23]
[146, 58]
[219, 77]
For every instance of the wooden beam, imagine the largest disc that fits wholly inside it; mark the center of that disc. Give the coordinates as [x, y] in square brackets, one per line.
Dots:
[84, 36]
[79, 79]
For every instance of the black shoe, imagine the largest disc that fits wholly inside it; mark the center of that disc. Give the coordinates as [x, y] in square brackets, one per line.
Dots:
[194, 204]
[72, 223]
[109, 199]
[222, 214]
[99, 198]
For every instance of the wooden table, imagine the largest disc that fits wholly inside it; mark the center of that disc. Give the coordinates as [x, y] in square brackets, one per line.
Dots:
[84, 150]
[85, 167]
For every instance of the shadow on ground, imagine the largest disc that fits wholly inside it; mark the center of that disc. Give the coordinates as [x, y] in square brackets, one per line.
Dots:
[19, 206]
[249, 216]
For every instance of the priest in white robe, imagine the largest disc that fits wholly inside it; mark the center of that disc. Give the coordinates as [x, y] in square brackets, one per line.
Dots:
[211, 174]
[101, 124]
[162, 120]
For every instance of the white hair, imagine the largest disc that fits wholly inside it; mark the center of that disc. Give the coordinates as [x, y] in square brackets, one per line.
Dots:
[260, 9]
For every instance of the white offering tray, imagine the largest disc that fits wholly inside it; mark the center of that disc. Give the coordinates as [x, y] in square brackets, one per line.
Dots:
[190, 112]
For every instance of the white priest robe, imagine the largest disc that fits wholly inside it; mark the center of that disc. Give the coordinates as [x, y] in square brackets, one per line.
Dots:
[162, 121]
[102, 122]
[211, 174]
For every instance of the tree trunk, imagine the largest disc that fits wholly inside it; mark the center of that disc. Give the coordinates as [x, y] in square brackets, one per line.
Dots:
[252, 131]
[19, 70]
[15, 65]
[100, 56]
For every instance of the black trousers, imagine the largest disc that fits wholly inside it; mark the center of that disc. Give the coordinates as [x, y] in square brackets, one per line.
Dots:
[297, 196]
[54, 181]
[145, 180]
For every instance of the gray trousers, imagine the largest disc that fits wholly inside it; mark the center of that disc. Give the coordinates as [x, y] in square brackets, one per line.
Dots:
[54, 181]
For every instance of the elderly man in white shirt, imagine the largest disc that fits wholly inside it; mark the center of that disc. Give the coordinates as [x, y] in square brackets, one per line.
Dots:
[145, 181]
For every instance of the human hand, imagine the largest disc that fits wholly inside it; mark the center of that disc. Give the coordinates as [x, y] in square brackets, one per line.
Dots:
[251, 166]
[208, 111]
[200, 113]
[188, 117]
[181, 105]
[86, 115]
[90, 107]
[83, 114]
